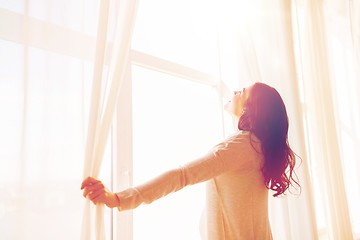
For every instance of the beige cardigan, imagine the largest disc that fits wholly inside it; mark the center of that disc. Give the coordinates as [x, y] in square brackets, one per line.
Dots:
[236, 197]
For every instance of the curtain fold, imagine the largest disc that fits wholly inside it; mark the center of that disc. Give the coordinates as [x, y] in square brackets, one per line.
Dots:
[319, 100]
[100, 117]
[93, 128]
[354, 10]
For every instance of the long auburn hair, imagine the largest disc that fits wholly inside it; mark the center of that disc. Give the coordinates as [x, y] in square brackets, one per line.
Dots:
[265, 116]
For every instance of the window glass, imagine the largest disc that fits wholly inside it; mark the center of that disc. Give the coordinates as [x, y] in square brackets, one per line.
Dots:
[14, 5]
[182, 31]
[175, 121]
[78, 15]
[11, 101]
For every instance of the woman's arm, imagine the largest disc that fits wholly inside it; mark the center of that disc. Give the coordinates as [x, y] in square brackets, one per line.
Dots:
[229, 155]
[173, 180]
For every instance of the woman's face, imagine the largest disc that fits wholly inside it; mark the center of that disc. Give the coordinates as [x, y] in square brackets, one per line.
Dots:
[236, 104]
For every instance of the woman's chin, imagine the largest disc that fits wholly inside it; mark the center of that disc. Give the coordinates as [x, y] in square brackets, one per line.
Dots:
[227, 107]
[228, 110]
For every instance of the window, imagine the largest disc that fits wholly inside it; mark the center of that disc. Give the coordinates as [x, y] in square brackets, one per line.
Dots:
[175, 121]
[176, 108]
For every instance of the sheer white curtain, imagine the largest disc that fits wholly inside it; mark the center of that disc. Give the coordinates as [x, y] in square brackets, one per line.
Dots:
[47, 51]
[321, 118]
[101, 115]
[330, 91]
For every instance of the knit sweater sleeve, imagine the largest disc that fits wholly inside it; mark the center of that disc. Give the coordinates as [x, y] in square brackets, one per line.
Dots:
[229, 155]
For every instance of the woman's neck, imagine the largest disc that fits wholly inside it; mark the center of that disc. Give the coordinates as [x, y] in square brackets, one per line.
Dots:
[235, 123]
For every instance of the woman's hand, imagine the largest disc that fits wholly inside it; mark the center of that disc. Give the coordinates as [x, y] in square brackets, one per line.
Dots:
[98, 193]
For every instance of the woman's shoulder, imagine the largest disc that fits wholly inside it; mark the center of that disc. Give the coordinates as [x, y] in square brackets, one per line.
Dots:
[242, 146]
[241, 136]
[240, 140]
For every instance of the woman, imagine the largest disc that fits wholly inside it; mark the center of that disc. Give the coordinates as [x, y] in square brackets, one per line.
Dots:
[239, 170]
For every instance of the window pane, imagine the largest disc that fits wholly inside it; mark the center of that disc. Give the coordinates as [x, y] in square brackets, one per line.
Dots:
[14, 5]
[182, 31]
[78, 15]
[175, 121]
